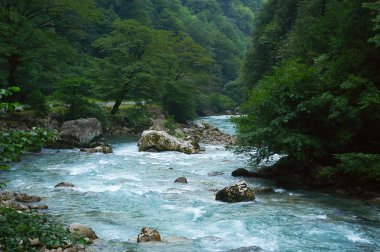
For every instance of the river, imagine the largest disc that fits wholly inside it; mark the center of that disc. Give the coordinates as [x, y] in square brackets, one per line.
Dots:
[118, 194]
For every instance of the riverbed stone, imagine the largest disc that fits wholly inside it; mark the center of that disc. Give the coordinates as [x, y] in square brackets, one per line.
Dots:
[237, 193]
[182, 180]
[162, 141]
[148, 234]
[83, 230]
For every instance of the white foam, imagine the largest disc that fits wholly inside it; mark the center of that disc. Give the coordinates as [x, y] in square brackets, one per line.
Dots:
[197, 212]
[357, 238]
[103, 162]
[98, 188]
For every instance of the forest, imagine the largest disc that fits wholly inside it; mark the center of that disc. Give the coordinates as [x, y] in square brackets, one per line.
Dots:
[314, 76]
[297, 80]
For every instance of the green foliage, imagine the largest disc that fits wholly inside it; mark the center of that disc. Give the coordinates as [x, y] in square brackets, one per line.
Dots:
[138, 117]
[171, 124]
[16, 142]
[221, 103]
[17, 228]
[360, 164]
[375, 7]
[7, 107]
[313, 83]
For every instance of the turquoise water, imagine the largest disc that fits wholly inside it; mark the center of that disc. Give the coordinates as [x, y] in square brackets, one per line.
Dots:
[118, 194]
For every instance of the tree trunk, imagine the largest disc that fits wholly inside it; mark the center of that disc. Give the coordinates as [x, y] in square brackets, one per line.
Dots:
[13, 62]
[116, 106]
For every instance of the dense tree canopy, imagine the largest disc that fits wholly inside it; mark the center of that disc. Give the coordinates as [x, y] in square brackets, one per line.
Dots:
[314, 82]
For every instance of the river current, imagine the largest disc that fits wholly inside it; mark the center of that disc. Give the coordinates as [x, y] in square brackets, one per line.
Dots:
[118, 194]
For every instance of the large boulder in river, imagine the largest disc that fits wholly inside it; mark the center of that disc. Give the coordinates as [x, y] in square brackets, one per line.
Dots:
[236, 193]
[148, 234]
[152, 140]
[81, 130]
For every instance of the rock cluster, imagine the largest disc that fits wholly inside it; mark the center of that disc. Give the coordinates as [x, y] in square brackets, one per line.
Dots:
[153, 140]
[148, 234]
[208, 134]
[236, 193]
[20, 201]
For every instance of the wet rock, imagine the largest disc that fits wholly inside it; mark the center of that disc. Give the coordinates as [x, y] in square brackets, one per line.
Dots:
[263, 190]
[181, 180]
[39, 207]
[162, 141]
[241, 172]
[22, 197]
[247, 249]
[64, 184]
[148, 234]
[104, 148]
[236, 193]
[83, 230]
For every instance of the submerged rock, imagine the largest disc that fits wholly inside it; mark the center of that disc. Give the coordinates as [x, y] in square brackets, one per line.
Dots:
[64, 184]
[104, 148]
[181, 180]
[148, 234]
[83, 230]
[263, 190]
[247, 249]
[162, 141]
[236, 193]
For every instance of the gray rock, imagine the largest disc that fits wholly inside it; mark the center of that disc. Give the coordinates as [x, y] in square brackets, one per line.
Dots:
[181, 180]
[82, 131]
[148, 234]
[236, 193]
[162, 141]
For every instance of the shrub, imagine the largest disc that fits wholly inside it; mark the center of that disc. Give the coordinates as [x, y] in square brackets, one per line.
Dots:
[17, 228]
